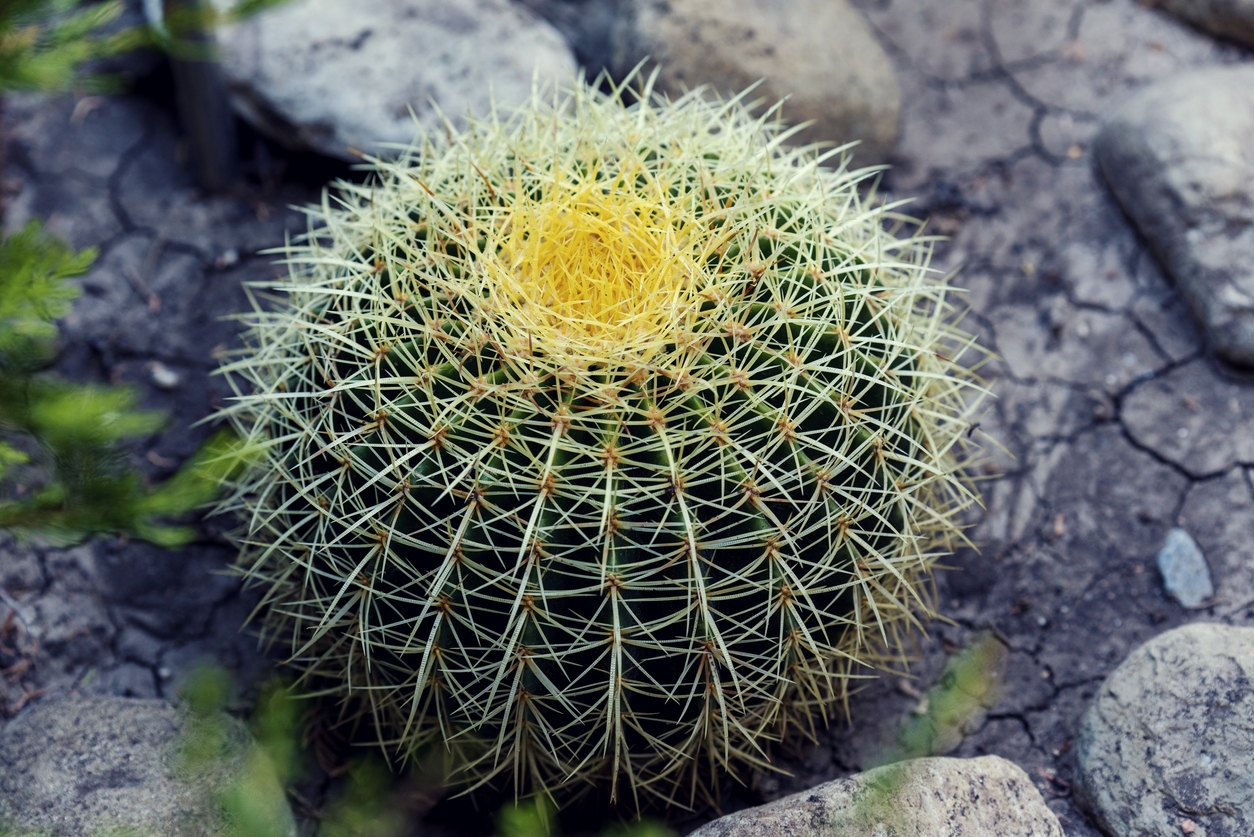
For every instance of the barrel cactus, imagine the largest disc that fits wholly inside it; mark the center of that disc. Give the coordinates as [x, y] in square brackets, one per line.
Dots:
[601, 443]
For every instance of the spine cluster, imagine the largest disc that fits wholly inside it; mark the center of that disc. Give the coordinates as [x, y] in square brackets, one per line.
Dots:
[602, 443]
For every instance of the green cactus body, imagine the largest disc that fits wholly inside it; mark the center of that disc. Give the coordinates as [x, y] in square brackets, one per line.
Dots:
[603, 442]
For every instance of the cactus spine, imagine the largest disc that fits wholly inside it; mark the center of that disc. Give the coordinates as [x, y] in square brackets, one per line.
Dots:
[602, 443]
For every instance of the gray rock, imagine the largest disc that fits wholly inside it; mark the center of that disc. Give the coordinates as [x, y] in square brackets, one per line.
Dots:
[932, 797]
[1170, 737]
[330, 75]
[1232, 19]
[1177, 155]
[819, 53]
[1186, 575]
[81, 766]
[586, 25]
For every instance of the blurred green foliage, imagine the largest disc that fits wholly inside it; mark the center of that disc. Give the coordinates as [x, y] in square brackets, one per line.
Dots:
[970, 685]
[534, 817]
[182, 29]
[64, 473]
[44, 43]
[537, 817]
[63, 470]
[368, 804]
[366, 808]
[253, 803]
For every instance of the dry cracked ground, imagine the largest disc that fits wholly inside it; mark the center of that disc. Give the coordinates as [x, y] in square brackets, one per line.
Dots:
[1115, 424]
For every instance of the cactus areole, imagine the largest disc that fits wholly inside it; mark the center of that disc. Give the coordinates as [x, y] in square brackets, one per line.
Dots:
[602, 443]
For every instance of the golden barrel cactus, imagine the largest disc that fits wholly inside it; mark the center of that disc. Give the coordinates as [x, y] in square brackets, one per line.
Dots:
[601, 442]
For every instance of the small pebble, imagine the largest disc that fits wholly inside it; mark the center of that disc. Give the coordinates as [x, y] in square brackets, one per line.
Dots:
[230, 258]
[1188, 826]
[165, 377]
[1186, 575]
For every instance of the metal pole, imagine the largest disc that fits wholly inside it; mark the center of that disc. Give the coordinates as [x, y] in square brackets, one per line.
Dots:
[200, 87]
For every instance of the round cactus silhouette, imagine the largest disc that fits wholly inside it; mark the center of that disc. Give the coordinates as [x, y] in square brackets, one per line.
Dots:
[601, 443]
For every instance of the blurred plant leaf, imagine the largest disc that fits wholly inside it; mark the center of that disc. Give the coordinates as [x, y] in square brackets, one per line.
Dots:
[534, 817]
[276, 724]
[253, 802]
[206, 691]
[537, 817]
[44, 43]
[183, 31]
[33, 270]
[643, 828]
[76, 431]
[970, 685]
[366, 808]
[10, 456]
[198, 481]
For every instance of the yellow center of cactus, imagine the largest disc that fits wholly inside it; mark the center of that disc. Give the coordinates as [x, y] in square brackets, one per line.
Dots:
[601, 264]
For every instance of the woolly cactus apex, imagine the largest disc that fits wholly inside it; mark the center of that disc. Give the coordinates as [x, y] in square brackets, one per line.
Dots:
[603, 442]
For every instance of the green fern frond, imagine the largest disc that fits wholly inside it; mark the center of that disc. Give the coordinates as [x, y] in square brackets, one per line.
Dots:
[44, 43]
[69, 435]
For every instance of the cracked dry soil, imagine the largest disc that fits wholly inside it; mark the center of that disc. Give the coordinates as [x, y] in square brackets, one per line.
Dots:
[1116, 423]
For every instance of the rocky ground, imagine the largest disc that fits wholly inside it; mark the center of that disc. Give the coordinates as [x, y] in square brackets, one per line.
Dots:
[1112, 422]
[113, 617]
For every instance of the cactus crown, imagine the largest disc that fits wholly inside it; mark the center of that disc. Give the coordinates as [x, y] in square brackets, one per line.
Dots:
[592, 265]
[603, 441]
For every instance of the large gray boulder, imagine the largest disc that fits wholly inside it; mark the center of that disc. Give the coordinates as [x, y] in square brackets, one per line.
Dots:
[932, 797]
[82, 767]
[1178, 156]
[1233, 19]
[820, 54]
[1169, 738]
[333, 76]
